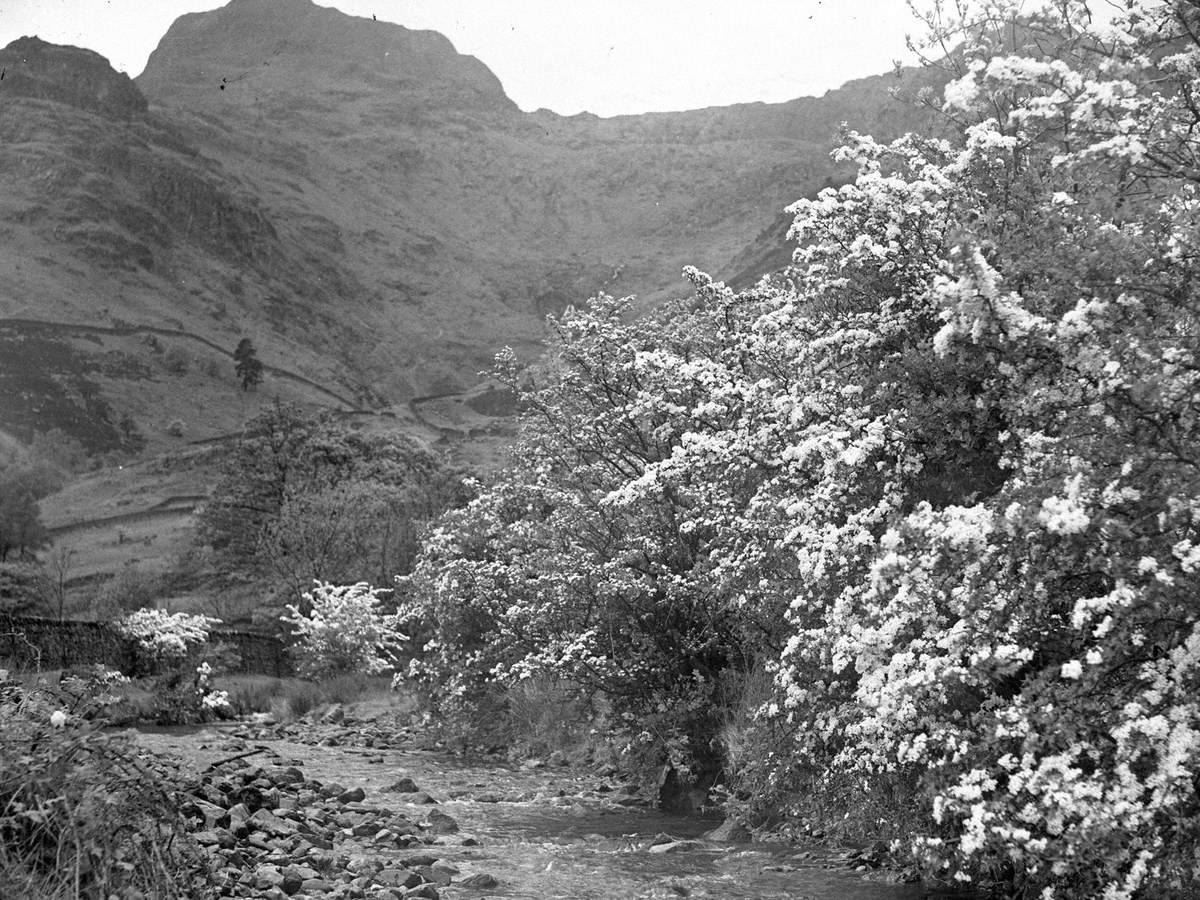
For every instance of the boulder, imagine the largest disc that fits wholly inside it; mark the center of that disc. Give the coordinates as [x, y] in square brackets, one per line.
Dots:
[480, 881]
[729, 831]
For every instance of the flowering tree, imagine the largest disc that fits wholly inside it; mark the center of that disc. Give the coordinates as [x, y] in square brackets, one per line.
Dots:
[944, 474]
[345, 631]
[598, 557]
[997, 604]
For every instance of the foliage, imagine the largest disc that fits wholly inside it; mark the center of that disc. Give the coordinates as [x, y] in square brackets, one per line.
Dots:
[303, 497]
[82, 814]
[20, 589]
[130, 589]
[597, 558]
[177, 659]
[344, 631]
[21, 529]
[944, 473]
[164, 637]
[246, 364]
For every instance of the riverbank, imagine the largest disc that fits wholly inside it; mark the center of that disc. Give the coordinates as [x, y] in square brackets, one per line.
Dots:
[403, 821]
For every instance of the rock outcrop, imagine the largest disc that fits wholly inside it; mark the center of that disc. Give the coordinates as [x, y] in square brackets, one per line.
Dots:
[69, 75]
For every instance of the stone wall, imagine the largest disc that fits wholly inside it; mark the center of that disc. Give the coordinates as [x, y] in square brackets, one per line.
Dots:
[261, 654]
[28, 643]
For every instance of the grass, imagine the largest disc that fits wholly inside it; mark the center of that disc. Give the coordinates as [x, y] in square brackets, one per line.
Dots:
[82, 814]
[288, 699]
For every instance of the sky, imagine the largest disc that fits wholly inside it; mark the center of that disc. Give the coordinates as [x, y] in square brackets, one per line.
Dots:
[607, 57]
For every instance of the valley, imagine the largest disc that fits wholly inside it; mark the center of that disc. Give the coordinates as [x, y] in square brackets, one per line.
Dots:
[369, 208]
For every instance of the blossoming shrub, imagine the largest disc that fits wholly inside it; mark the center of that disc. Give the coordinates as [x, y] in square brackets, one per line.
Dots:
[164, 638]
[344, 631]
[177, 659]
[599, 558]
[996, 416]
[942, 479]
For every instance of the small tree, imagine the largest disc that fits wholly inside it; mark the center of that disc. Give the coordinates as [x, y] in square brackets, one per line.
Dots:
[345, 631]
[53, 577]
[247, 365]
[21, 530]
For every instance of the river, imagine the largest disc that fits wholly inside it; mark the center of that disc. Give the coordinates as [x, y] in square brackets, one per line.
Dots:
[557, 832]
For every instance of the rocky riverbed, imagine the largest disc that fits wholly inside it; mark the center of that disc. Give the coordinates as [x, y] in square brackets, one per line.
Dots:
[355, 809]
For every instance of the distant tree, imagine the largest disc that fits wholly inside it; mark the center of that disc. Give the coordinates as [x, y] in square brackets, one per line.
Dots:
[303, 497]
[23, 481]
[129, 589]
[129, 429]
[21, 530]
[247, 365]
[53, 576]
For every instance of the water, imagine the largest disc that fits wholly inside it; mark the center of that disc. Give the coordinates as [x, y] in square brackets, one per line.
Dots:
[578, 846]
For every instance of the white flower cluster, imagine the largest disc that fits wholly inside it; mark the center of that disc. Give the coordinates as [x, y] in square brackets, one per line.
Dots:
[344, 631]
[165, 635]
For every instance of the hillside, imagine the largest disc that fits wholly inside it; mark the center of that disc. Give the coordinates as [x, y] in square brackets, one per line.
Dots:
[363, 202]
[464, 219]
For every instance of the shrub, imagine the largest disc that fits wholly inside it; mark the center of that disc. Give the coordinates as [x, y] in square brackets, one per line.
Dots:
[177, 361]
[164, 638]
[129, 590]
[301, 698]
[211, 367]
[345, 631]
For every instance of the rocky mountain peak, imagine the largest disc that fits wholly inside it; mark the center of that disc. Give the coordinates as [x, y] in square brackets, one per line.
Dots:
[252, 50]
[81, 78]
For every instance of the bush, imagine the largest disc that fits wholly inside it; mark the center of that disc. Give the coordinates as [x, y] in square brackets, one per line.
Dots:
[177, 661]
[177, 361]
[81, 814]
[130, 589]
[301, 698]
[164, 638]
[212, 368]
[344, 632]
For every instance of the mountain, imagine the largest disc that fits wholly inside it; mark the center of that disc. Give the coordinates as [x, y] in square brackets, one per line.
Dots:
[362, 201]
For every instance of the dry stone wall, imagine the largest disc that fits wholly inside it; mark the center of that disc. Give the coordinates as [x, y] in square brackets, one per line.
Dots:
[28, 643]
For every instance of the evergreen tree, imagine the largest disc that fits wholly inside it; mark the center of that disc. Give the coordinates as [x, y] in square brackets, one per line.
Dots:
[247, 365]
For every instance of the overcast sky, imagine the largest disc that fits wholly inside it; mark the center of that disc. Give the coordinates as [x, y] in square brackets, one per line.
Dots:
[606, 57]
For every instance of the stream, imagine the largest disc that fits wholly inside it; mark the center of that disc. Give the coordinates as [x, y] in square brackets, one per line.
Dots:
[555, 832]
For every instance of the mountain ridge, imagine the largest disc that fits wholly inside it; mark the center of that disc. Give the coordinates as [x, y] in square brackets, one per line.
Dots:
[367, 203]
